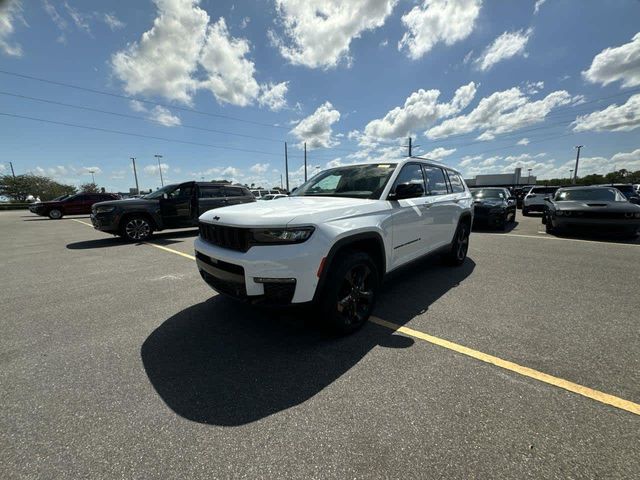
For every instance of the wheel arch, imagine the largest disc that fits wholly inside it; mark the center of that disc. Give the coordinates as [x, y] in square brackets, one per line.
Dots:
[369, 242]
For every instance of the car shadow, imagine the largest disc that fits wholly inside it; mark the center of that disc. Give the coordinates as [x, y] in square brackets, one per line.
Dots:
[35, 218]
[163, 239]
[222, 362]
[483, 227]
[604, 237]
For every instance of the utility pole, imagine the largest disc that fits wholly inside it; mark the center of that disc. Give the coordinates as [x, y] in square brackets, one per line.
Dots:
[135, 175]
[281, 186]
[305, 161]
[411, 146]
[570, 173]
[575, 171]
[158, 157]
[12, 172]
[286, 165]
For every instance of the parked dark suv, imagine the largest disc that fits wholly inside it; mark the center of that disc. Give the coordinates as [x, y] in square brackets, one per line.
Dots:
[79, 204]
[173, 206]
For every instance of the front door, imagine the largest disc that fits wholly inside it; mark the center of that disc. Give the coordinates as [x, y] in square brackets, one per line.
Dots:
[76, 205]
[410, 217]
[176, 207]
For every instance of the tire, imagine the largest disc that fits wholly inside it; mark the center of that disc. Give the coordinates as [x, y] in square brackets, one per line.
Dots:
[459, 245]
[351, 290]
[548, 227]
[55, 214]
[136, 228]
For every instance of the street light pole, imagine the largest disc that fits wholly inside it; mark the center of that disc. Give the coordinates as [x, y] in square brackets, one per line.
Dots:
[575, 171]
[158, 157]
[305, 161]
[135, 175]
[93, 178]
[529, 177]
[12, 172]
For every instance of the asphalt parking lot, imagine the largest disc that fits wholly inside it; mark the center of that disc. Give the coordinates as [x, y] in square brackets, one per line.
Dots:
[117, 360]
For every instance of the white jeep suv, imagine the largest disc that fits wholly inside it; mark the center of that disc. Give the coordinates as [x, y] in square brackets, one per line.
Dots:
[331, 242]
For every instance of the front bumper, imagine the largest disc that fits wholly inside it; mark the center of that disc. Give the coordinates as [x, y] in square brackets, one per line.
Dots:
[602, 225]
[106, 222]
[234, 272]
[487, 217]
[535, 207]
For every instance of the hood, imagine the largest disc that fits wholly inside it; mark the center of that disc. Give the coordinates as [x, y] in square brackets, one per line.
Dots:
[128, 202]
[291, 210]
[597, 205]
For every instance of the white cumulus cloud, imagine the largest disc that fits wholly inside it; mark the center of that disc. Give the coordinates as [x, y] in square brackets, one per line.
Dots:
[152, 169]
[507, 45]
[501, 112]
[316, 129]
[435, 21]
[616, 118]
[182, 42]
[10, 13]
[164, 116]
[273, 96]
[538, 4]
[438, 153]
[318, 33]
[259, 168]
[420, 110]
[617, 64]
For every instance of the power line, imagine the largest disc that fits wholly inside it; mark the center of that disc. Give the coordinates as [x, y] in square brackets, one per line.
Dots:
[152, 137]
[136, 117]
[128, 97]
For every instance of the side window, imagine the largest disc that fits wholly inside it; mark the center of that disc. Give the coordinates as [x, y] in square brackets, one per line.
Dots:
[233, 192]
[436, 183]
[210, 192]
[456, 182]
[80, 198]
[411, 173]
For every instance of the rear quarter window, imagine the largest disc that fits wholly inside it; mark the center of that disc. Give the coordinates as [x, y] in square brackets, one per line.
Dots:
[457, 186]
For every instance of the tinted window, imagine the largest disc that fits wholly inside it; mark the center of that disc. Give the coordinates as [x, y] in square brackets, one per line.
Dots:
[357, 181]
[411, 173]
[591, 194]
[181, 192]
[233, 192]
[436, 183]
[456, 182]
[210, 192]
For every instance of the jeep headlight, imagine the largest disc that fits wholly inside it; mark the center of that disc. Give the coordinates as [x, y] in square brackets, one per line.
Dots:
[265, 236]
[104, 208]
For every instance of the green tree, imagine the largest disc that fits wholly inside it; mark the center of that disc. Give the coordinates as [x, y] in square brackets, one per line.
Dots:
[19, 188]
[89, 188]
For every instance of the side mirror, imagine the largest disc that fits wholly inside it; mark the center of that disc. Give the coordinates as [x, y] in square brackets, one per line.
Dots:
[635, 200]
[407, 190]
[165, 196]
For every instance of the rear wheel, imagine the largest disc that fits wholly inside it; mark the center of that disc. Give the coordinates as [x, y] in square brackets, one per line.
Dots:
[55, 214]
[459, 245]
[548, 226]
[136, 229]
[351, 291]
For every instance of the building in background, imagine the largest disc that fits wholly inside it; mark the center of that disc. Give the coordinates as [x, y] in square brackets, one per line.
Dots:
[502, 179]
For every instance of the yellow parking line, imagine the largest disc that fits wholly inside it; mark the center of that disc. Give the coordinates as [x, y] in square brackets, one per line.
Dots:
[514, 367]
[549, 237]
[596, 395]
[171, 250]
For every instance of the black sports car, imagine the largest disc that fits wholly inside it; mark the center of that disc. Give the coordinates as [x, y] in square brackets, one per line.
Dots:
[493, 206]
[594, 209]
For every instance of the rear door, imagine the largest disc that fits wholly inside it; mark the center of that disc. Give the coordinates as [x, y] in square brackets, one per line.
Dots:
[458, 204]
[235, 195]
[441, 206]
[177, 209]
[210, 197]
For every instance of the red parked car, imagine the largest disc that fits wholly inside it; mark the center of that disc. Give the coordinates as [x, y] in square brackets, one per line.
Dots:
[79, 204]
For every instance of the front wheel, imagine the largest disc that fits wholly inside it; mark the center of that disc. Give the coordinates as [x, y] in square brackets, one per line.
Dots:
[351, 291]
[137, 229]
[55, 214]
[548, 226]
[459, 245]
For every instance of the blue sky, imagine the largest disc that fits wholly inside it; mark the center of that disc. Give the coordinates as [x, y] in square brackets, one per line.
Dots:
[484, 86]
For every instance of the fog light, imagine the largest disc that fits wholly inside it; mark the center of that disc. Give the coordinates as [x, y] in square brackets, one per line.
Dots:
[273, 280]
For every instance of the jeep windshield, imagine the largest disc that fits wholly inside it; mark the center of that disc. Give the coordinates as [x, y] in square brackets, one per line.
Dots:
[354, 181]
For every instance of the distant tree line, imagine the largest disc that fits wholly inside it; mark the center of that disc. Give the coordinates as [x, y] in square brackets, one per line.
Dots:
[22, 187]
[619, 176]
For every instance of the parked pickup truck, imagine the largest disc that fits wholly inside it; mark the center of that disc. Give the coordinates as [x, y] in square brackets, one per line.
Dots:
[173, 206]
